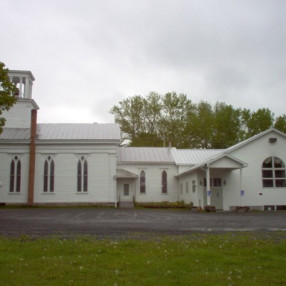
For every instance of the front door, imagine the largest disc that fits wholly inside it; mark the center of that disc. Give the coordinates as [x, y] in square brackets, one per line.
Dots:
[216, 198]
[125, 193]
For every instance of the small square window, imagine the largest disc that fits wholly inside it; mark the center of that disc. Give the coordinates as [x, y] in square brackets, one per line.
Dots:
[267, 173]
[217, 182]
[280, 183]
[279, 173]
[268, 183]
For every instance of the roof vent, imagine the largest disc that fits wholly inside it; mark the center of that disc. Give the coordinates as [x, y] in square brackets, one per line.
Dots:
[272, 140]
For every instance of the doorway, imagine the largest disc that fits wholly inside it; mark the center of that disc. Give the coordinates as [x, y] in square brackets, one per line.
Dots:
[216, 198]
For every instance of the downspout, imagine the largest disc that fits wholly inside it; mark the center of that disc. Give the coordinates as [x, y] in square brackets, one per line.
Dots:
[32, 157]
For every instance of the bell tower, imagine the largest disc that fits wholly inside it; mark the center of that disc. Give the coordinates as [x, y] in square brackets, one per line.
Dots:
[23, 81]
[19, 116]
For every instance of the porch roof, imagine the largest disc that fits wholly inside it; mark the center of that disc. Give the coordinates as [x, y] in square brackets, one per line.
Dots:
[221, 161]
[124, 174]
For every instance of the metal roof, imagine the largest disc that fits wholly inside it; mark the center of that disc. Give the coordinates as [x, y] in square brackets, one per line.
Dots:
[15, 134]
[65, 131]
[145, 154]
[124, 174]
[194, 156]
[78, 131]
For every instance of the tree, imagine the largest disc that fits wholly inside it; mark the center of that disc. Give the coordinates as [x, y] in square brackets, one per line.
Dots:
[226, 126]
[174, 119]
[130, 116]
[259, 121]
[7, 93]
[245, 115]
[158, 120]
[154, 120]
[280, 123]
[200, 126]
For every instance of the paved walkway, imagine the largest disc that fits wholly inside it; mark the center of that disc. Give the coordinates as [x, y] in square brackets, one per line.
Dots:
[117, 222]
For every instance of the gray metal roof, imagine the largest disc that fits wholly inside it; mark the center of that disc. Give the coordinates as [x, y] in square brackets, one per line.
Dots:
[145, 154]
[194, 156]
[124, 174]
[15, 134]
[78, 131]
[65, 131]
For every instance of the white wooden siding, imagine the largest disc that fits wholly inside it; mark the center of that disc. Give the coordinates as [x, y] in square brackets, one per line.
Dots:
[254, 154]
[153, 174]
[101, 173]
[5, 159]
[19, 116]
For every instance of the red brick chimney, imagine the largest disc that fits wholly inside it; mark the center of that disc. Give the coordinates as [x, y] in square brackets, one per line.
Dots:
[32, 157]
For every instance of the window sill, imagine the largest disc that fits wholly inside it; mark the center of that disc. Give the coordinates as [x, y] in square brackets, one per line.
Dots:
[82, 193]
[48, 193]
[15, 193]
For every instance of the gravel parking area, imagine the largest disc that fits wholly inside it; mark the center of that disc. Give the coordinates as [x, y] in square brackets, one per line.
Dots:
[105, 222]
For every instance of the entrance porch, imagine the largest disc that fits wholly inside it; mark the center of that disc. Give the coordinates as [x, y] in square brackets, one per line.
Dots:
[126, 188]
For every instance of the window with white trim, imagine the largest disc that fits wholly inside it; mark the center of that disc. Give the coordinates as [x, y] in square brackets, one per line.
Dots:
[15, 175]
[273, 173]
[164, 182]
[49, 175]
[82, 175]
[181, 188]
[194, 186]
[214, 182]
[142, 182]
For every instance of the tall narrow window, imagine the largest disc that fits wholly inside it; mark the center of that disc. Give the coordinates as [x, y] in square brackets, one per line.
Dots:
[194, 187]
[142, 182]
[15, 175]
[164, 182]
[49, 175]
[82, 175]
[187, 187]
[273, 173]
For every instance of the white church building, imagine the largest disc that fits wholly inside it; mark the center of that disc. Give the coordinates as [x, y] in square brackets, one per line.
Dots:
[62, 164]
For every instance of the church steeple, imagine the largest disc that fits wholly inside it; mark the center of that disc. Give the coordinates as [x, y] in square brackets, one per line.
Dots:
[24, 82]
[19, 116]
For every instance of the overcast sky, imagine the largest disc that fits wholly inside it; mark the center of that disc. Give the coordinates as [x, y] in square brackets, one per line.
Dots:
[87, 55]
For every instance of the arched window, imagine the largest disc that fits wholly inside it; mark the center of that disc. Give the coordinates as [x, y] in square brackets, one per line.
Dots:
[82, 175]
[49, 175]
[164, 182]
[15, 175]
[142, 182]
[273, 173]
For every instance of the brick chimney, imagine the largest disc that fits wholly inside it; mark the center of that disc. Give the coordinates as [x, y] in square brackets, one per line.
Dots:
[32, 157]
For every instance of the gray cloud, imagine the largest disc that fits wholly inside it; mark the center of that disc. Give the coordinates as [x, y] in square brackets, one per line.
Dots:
[88, 55]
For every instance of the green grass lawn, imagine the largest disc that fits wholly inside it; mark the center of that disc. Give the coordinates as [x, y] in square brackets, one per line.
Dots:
[199, 259]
